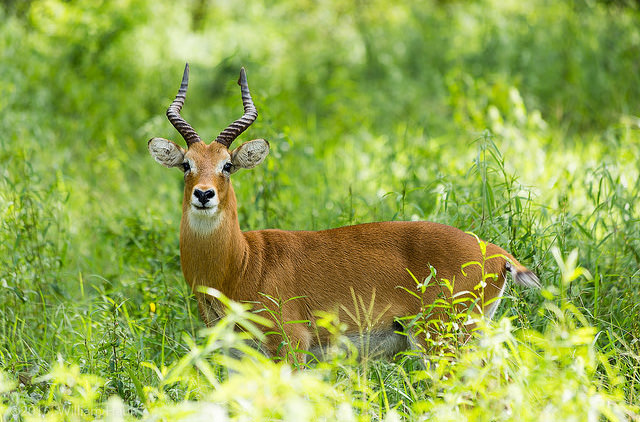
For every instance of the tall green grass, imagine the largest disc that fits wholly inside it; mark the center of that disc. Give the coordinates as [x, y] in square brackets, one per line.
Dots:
[518, 122]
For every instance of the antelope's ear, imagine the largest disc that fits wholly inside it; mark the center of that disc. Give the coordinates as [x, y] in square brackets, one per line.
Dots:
[167, 153]
[249, 154]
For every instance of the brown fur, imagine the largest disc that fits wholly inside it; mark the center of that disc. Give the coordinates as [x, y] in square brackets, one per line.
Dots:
[325, 269]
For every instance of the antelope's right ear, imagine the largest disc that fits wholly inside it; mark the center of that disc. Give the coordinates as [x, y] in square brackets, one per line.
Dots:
[167, 153]
[249, 154]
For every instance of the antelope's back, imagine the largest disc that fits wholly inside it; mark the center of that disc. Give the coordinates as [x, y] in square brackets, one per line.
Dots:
[324, 266]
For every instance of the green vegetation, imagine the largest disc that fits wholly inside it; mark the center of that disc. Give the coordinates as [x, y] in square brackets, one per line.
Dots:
[518, 121]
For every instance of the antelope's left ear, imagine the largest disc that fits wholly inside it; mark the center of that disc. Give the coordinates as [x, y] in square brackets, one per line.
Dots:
[166, 152]
[249, 154]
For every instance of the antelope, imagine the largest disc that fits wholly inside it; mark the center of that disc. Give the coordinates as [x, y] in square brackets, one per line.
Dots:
[371, 265]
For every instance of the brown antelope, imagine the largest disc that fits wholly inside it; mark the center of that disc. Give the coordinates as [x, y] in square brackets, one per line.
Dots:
[336, 270]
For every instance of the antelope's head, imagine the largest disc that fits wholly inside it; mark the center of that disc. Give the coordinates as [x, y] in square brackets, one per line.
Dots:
[207, 168]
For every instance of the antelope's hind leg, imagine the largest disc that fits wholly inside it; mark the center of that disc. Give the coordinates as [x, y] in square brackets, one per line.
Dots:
[291, 345]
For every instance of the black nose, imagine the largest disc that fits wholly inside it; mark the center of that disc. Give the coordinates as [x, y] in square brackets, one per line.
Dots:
[204, 196]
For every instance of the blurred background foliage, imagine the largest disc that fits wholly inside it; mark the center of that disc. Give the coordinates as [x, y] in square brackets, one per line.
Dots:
[516, 120]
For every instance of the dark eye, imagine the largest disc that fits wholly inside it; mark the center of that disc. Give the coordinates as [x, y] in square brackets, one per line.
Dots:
[227, 167]
[186, 167]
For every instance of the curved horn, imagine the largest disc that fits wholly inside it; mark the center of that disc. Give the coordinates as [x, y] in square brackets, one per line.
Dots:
[173, 112]
[232, 131]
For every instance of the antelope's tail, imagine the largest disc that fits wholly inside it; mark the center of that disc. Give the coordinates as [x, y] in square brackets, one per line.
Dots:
[522, 276]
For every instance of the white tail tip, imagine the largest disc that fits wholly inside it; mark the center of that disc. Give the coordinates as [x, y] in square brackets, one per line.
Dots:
[523, 277]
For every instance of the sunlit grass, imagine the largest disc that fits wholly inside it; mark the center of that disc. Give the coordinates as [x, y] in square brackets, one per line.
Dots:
[514, 120]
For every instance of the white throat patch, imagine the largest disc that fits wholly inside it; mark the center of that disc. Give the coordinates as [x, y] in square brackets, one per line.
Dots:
[204, 221]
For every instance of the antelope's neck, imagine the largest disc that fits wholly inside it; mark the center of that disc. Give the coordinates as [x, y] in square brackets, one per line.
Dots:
[212, 250]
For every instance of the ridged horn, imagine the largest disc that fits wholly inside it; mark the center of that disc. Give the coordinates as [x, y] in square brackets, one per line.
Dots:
[173, 112]
[232, 131]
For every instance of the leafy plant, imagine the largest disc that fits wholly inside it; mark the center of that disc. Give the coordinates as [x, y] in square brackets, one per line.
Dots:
[514, 120]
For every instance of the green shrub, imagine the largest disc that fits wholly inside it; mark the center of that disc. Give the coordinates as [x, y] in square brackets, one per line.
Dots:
[514, 120]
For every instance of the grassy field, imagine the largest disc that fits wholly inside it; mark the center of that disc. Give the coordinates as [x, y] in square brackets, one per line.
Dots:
[518, 121]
